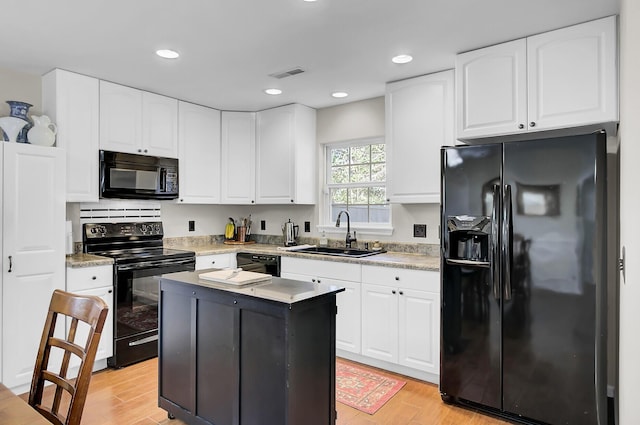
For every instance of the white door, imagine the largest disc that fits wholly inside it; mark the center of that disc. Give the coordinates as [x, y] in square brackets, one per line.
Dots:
[238, 178]
[274, 155]
[33, 262]
[572, 76]
[159, 125]
[380, 322]
[419, 120]
[491, 90]
[73, 103]
[120, 118]
[105, 347]
[199, 154]
[348, 319]
[419, 330]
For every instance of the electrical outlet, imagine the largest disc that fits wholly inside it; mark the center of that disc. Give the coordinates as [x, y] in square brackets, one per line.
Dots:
[263, 224]
[192, 225]
[307, 226]
[419, 230]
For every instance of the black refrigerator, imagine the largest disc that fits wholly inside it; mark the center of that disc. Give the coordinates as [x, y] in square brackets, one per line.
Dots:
[523, 248]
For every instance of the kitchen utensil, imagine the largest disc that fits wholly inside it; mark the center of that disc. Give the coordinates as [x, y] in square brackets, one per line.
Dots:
[290, 233]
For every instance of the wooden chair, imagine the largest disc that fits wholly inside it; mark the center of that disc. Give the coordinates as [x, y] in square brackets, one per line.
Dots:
[66, 405]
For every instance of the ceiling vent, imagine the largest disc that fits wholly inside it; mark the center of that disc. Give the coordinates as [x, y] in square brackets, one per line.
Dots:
[288, 73]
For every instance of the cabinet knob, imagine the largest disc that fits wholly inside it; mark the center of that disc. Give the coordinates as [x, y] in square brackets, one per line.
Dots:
[253, 202]
[313, 280]
[532, 124]
[292, 200]
[393, 291]
[193, 293]
[139, 150]
[521, 126]
[319, 281]
[110, 291]
[93, 278]
[213, 262]
[401, 293]
[397, 277]
[145, 151]
[235, 301]
[181, 200]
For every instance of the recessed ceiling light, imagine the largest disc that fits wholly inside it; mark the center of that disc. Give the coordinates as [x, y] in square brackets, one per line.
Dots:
[309, 1]
[402, 59]
[167, 54]
[339, 94]
[273, 91]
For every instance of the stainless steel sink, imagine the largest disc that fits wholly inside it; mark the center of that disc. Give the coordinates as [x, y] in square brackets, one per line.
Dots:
[339, 252]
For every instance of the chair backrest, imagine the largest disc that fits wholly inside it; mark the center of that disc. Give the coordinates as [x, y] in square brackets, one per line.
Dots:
[66, 405]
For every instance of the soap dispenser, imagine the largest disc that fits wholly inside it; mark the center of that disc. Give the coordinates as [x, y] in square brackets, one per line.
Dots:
[323, 240]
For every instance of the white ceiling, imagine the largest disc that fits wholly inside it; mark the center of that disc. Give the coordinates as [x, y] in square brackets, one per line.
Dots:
[229, 47]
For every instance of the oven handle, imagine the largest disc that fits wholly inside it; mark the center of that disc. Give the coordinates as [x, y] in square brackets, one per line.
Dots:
[143, 340]
[153, 264]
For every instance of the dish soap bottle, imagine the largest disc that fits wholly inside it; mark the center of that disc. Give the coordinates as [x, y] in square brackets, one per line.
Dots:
[323, 240]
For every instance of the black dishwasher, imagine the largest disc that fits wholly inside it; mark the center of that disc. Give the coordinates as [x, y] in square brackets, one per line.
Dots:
[260, 263]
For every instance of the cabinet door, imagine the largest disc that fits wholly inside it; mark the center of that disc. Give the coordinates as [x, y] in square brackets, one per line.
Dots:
[33, 262]
[348, 319]
[419, 330]
[72, 102]
[199, 154]
[572, 76]
[274, 155]
[491, 90]
[105, 347]
[120, 118]
[419, 119]
[238, 157]
[380, 322]
[159, 126]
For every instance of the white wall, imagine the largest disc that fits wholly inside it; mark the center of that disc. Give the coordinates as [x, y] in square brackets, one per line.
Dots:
[629, 360]
[22, 87]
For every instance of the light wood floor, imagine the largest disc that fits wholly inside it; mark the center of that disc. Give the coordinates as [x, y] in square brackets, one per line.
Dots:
[129, 396]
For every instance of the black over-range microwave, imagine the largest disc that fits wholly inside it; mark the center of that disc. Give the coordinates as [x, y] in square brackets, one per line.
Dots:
[130, 176]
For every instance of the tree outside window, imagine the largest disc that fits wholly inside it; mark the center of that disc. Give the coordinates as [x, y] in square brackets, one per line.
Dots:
[357, 182]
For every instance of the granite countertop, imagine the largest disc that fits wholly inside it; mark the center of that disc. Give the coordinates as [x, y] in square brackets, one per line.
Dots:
[387, 259]
[277, 289]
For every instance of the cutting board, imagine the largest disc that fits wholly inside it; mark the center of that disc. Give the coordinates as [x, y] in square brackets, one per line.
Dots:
[230, 277]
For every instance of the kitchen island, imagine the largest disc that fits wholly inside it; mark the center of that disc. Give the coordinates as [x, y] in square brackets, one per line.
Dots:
[262, 353]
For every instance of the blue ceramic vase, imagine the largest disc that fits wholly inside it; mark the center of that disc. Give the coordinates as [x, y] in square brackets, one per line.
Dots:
[20, 110]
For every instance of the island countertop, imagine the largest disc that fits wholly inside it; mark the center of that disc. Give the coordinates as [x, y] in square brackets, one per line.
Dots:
[277, 289]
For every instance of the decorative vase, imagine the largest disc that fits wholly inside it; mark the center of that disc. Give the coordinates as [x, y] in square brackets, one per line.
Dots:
[43, 132]
[12, 127]
[20, 110]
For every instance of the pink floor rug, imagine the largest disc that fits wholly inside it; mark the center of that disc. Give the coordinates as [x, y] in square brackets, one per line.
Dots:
[362, 388]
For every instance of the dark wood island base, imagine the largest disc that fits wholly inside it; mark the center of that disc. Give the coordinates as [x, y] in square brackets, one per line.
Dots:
[252, 355]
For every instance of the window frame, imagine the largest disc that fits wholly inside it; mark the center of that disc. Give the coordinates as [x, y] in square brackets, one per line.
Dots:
[325, 223]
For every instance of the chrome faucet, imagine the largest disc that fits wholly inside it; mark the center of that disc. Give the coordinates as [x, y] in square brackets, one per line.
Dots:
[349, 239]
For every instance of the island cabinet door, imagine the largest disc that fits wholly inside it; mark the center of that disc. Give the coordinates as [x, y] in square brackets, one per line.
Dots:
[198, 355]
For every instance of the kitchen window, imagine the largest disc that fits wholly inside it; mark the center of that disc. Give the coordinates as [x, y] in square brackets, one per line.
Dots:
[356, 181]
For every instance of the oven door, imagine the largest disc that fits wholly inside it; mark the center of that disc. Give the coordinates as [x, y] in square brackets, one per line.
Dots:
[136, 309]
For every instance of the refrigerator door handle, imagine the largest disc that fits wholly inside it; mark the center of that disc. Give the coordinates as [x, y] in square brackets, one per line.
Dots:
[506, 241]
[495, 245]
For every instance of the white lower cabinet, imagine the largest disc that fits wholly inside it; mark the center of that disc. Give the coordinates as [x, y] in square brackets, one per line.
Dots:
[401, 317]
[216, 261]
[96, 281]
[348, 325]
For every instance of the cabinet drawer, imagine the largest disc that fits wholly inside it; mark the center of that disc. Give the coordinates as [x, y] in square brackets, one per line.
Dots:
[217, 261]
[79, 279]
[320, 268]
[421, 280]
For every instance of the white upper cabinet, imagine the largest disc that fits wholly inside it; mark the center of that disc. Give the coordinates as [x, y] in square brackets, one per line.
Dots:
[137, 122]
[238, 153]
[286, 155]
[72, 101]
[419, 120]
[198, 154]
[559, 79]
[159, 125]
